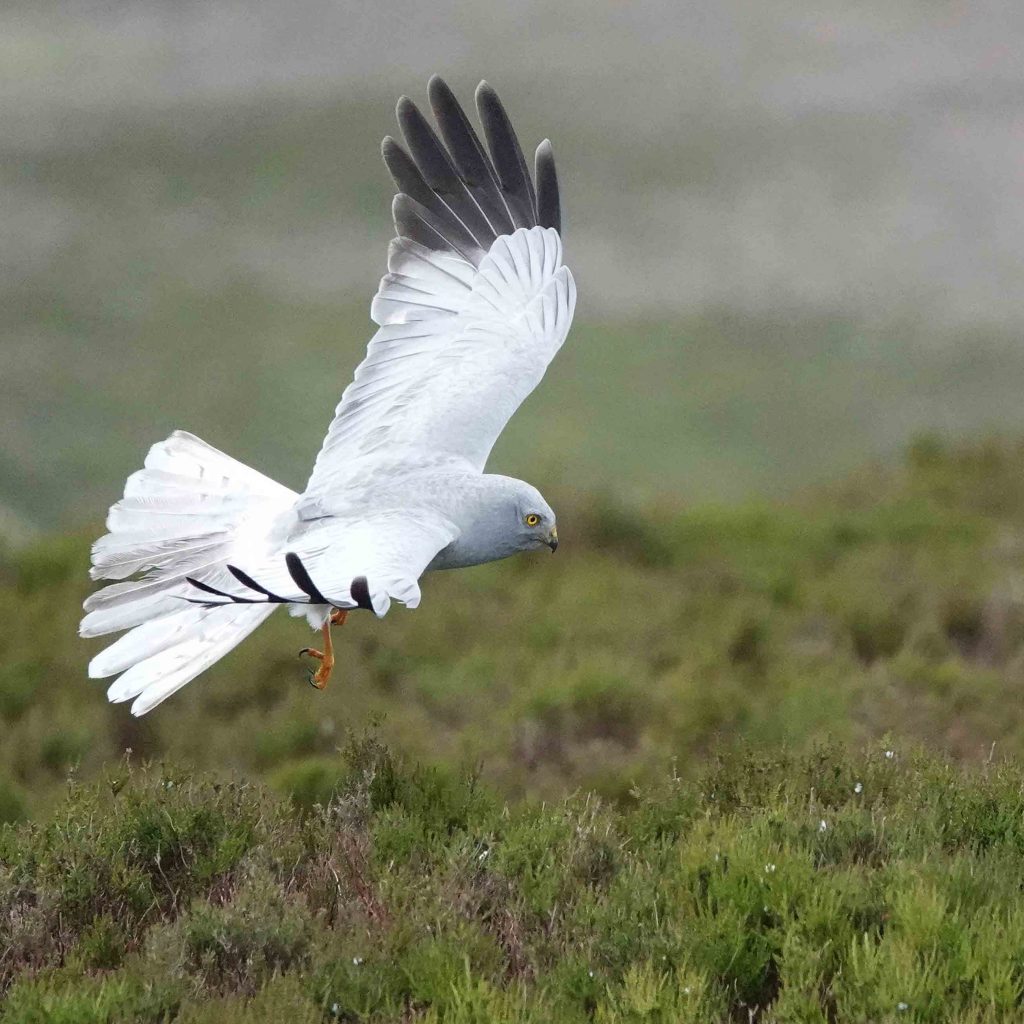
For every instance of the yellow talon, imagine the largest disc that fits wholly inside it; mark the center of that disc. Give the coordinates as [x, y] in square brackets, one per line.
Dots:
[319, 678]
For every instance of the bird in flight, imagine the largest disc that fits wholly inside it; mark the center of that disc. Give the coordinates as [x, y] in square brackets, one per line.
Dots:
[475, 303]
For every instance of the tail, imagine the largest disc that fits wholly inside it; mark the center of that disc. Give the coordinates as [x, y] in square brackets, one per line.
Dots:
[184, 514]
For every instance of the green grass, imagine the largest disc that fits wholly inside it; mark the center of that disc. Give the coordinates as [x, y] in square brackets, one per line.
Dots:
[644, 780]
[880, 886]
[887, 604]
[719, 408]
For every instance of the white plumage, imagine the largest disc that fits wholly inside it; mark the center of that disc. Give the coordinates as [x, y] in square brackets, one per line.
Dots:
[475, 304]
[454, 358]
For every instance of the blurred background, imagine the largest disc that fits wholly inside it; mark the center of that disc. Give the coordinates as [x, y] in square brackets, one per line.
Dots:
[798, 233]
[798, 230]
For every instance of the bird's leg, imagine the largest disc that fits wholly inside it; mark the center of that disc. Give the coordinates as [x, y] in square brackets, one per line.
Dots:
[326, 656]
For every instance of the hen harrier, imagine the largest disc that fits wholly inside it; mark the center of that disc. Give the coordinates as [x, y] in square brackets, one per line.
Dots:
[475, 304]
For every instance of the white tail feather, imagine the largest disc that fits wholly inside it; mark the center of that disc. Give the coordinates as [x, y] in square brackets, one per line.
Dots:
[118, 561]
[146, 640]
[101, 621]
[157, 677]
[180, 516]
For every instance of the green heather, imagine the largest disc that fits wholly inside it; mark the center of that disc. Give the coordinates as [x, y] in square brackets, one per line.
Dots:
[750, 747]
[651, 641]
[749, 763]
[823, 887]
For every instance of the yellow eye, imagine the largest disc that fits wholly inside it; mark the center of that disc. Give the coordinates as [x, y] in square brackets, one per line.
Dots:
[532, 519]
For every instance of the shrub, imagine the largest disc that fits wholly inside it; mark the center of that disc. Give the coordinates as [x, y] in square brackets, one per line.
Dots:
[237, 946]
[798, 887]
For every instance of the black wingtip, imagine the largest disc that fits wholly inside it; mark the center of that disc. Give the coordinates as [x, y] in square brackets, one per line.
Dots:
[486, 100]
[506, 154]
[469, 190]
[403, 103]
[468, 156]
[360, 591]
[441, 97]
[207, 589]
[404, 172]
[549, 207]
[302, 579]
[431, 158]
[247, 581]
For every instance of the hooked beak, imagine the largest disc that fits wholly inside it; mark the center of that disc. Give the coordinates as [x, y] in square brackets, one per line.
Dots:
[552, 541]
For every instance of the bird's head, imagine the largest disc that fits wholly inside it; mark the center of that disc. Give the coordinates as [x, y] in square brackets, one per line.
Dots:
[501, 517]
[534, 520]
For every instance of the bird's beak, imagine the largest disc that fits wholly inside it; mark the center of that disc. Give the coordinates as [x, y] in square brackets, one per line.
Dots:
[552, 541]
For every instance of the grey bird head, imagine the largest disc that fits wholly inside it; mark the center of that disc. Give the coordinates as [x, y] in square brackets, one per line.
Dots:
[535, 520]
[499, 517]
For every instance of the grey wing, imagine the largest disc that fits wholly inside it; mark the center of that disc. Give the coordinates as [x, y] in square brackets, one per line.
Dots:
[359, 562]
[475, 304]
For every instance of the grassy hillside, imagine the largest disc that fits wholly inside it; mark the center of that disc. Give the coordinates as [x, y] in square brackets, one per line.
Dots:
[890, 604]
[771, 290]
[879, 887]
[713, 407]
[590, 817]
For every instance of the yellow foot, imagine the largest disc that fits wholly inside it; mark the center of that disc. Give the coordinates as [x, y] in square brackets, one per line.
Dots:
[319, 678]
